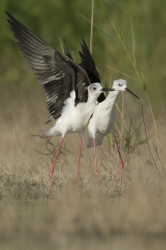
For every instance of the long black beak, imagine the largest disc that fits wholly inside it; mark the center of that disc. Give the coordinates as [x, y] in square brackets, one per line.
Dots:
[128, 90]
[107, 89]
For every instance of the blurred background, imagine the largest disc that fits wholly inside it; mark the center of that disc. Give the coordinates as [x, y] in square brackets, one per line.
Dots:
[141, 25]
[129, 41]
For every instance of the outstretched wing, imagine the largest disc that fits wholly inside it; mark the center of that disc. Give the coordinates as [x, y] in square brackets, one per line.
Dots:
[89, 66]
[88, 63]
[54, 71]
[82, 83]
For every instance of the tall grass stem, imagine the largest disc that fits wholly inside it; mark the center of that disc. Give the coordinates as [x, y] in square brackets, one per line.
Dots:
[91, 26]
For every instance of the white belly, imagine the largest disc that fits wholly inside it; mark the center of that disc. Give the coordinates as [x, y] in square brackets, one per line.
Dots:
[102, 122]
[73, 122]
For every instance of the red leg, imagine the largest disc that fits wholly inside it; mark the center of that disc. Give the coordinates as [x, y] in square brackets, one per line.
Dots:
[79, 157]
[95, 158]
[121, 160]
[54, 162]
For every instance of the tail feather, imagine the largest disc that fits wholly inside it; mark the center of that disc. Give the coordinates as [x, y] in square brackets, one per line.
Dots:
[51, 132]
[45, 135]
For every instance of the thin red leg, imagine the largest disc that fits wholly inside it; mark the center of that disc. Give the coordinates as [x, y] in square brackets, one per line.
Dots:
[121, 160]
[54, 162]
[79, 157]
[95, 158]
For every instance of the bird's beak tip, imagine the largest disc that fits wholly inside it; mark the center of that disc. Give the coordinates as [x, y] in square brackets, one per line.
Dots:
[128, 90]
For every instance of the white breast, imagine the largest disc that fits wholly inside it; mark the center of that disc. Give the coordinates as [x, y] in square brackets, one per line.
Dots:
[102, 121]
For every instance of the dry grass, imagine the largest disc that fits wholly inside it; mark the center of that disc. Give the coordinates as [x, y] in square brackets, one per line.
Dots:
[97, 214]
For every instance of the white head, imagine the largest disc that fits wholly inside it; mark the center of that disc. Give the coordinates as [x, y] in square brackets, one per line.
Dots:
[119, 85]
[95, 89]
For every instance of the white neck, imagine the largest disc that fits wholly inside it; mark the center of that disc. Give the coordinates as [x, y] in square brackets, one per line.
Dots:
[111, 99]
[92, 100]
[91, 103]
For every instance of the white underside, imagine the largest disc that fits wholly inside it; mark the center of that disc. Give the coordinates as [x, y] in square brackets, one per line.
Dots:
[102, 121]
[73, 119]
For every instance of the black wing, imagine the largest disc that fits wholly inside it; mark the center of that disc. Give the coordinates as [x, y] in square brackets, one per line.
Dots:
[82, 84]
[88, 64]
[57, 73]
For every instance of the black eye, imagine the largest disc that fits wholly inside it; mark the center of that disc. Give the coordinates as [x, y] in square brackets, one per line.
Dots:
[94, 88]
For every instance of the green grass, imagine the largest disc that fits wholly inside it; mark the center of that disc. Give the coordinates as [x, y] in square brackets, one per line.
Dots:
[98, 213]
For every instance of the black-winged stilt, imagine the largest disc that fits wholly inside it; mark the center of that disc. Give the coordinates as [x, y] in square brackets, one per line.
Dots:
[71, 93]
[103, 120]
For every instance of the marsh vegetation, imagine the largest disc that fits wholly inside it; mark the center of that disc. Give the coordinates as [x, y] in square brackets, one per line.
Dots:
[128, 42]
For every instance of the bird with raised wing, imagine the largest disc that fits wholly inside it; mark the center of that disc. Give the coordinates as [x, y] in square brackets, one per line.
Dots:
[71, 94]
[103, 121]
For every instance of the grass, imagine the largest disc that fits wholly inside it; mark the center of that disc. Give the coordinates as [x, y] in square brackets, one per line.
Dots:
[98, 213]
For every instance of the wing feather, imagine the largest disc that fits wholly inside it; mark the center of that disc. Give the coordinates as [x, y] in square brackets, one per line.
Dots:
[89, 66]
[54, 72]
[58, 73]
[88, 63]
